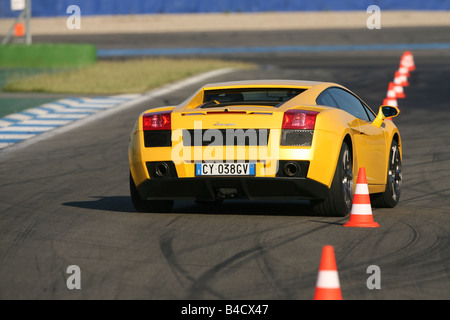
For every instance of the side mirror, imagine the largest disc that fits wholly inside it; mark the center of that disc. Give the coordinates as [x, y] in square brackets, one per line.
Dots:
[383, 113]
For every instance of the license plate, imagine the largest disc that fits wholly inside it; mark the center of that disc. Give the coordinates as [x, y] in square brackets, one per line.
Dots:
[225, 169]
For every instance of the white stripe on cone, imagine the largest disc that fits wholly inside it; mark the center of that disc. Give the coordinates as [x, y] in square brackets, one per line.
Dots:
[361, 209]
[361, 188]
[328, 279]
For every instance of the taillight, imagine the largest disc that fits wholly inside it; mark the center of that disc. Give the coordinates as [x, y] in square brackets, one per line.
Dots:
[299, 119]
[157, 121]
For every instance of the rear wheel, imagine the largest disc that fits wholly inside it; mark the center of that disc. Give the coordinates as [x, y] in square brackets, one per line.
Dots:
[390, 197]
[148, 205]
[340, 196]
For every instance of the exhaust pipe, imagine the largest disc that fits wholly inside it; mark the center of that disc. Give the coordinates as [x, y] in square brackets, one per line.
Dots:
[291, 169]
[162, 169]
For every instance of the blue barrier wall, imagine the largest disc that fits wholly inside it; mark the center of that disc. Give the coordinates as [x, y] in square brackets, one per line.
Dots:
[48, 8]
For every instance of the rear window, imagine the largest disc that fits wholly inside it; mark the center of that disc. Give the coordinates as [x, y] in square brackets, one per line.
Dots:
[259, 96]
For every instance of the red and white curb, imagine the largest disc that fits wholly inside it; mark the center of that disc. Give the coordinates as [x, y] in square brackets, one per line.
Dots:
[29, 123]
[65, 114]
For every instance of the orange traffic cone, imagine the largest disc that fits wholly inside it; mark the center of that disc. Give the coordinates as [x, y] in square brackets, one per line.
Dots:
[407, 61]
[391, 96]
[390, 102]
[404, 70]
[361, 212]
[391, 91]
[398, 89]
[401, 79]
[328, 286]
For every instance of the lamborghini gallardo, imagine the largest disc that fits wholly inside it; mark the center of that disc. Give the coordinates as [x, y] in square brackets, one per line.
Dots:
[265, 139]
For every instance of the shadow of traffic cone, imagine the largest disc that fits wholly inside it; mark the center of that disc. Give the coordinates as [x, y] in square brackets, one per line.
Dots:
[328, 286]
[361, 212]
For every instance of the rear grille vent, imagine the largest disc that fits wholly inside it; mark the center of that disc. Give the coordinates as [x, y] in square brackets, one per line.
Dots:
[158, 138]
[299, 138]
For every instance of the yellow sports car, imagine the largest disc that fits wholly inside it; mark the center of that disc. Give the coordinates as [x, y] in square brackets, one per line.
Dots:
[265, 139]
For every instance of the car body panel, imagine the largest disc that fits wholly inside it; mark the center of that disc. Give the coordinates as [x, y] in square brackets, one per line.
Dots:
[370, 145]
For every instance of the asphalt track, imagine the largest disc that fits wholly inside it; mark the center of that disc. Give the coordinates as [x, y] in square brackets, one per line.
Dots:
[64, 201]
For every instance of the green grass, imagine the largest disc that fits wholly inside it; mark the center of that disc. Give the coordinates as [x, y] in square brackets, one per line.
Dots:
[117, 77]
[47, 55]
[8, 75]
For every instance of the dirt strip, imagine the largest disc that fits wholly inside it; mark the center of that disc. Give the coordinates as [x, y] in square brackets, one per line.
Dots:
[161, 23]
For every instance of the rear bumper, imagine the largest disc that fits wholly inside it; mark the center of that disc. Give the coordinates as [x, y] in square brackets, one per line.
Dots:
[213, 188]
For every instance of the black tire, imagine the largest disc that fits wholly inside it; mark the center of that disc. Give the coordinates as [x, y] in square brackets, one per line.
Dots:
[150, 206]
[340, 196]
[391, 196]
